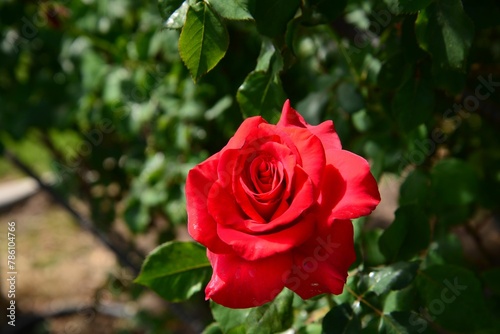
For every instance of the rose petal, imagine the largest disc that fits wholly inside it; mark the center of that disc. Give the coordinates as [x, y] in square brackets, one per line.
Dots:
[201, 225]
[361, 194]
[332, 190]
[321, 264]
[230, 169]
[249, 126]
[324, 131]
[253, 245]
[233, 215]
[290, 117]
[327, 134]
[310, 150]
[233, 168]
[237, 283]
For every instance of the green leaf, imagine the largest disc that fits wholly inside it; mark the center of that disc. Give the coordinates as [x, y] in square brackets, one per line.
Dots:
[174, 19]
[232, 10]
[406, 6]
[401, 300]
[450, 80]
[453, 298]
[168, 7]
[213, 328]
[492, 279]
[341, 320]
[136, 215]
[371, 250]
[272, 317]
[203, 41]
[446, 32]
[415, 188]
[362, 120]
[394, 277]
[413, 103]
[403, 322]
[261, 94]
[175, 270]
[218, 109]
[349, 97]
[327, 8]
[446, 249]
[267, 51]
[454, 183]
[407, 235]
[484, 13]
[393, 72]
[271, 17]
[231, 321]
[310, 329]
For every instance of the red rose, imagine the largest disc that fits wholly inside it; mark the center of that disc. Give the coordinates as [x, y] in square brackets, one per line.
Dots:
[273, 208]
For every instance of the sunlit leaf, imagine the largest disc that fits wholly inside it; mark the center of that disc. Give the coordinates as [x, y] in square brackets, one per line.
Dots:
[173, 12]
[203, 41]
[232, 10]
[231, 321]
[394, 277]
[272, 317]
[175, 270]
[261, 94]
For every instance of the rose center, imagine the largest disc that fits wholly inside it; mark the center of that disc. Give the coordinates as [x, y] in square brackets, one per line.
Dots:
[264, 174]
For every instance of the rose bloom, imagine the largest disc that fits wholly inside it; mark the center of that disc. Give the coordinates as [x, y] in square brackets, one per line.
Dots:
[273, 208]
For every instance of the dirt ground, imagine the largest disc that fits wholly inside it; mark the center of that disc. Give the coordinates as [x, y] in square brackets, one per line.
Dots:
[59, 267]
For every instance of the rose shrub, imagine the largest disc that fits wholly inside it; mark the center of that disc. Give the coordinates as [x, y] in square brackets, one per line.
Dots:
[273, 208]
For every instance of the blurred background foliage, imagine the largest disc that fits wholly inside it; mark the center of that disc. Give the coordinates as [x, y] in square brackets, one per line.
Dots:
[95, 95]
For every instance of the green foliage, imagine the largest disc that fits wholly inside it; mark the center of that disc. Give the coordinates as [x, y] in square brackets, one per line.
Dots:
[407, 235]
[393, 277]
[261, 94]
[341, 319]
[269, 318]
[272, 17]
[452, 296]
[446, 32]
[172, 279]
[204, 40]
[413, 103]
[407, 6]
[232, 10]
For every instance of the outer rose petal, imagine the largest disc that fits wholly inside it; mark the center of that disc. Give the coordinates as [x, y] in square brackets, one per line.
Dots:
[255, 247]
[321, 264]
[246, 128]
[361, 194]
[202, 227]
[324, 131]
[237, 283]
[311, 152]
